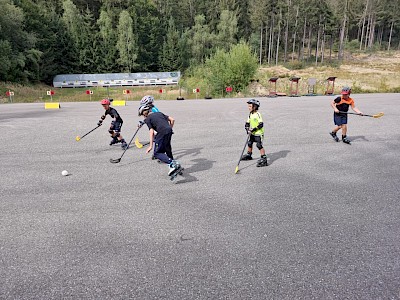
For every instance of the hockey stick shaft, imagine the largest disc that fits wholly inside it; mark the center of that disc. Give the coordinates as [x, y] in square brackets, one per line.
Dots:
[240, 158]
[378, 115]
[88, 132]
[119, 159]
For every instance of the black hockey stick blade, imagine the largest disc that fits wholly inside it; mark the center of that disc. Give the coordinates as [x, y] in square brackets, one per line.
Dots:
[117, 160]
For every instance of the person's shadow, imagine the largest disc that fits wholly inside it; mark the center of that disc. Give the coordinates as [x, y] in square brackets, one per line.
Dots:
[200, 164]
[358, 137]
[185, 152]
[271, 157]
[277, 155]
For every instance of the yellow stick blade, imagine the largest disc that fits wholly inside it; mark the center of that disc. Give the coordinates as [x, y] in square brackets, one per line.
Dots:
[237, 169]
[138, 144]
[379, 115]
[78, 138]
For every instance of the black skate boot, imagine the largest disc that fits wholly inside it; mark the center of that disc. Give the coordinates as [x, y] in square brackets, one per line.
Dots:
[174, 167]
[333, 134]
[114, 141]
[124, 145]
[247, 156]
[262, 162]
[346, 140]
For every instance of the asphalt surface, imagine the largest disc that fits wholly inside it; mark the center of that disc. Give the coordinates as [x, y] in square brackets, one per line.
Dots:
[322, 221]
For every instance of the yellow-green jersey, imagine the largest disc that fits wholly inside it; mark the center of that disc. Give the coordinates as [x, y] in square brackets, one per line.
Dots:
[255, 121]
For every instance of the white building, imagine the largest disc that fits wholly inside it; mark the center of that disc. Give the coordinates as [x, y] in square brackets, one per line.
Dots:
[117, 79]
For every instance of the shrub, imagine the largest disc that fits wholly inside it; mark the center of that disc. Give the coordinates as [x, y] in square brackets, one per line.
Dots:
[235, 68]
[295, 65]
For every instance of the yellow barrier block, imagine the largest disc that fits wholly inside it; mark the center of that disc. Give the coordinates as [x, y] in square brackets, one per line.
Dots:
[52, 105]
[119, 103]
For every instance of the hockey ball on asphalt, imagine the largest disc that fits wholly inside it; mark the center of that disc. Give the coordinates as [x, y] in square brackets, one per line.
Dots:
[64, 173]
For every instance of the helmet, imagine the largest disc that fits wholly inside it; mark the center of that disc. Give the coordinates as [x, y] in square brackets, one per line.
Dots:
[143, 108]
[147, 100]
[105, 102]
[346, 90]
[254, 102]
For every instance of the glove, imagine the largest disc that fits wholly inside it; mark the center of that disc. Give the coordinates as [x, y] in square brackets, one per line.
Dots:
[141, 123]
[103, 117]
[247, 127]
[99, 123]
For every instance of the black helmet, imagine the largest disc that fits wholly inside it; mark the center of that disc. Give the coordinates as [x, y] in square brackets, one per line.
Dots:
[254, 101]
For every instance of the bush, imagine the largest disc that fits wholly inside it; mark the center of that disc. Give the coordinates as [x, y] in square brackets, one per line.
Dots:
[295, 65]
[235, 68]
[353, 45]
[395, 90]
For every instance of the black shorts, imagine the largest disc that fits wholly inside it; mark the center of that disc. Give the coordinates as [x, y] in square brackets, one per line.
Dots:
[339, 119]
[117, 126]
[258, 139]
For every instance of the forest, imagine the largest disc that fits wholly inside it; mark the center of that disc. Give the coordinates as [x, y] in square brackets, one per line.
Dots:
[42, 38]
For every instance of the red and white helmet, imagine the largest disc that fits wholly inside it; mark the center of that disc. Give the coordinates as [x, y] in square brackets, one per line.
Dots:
[105, 102]
[148, 99]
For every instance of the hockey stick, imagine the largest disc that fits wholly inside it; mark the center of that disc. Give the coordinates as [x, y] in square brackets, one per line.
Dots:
[247, 140]
[78, 138]
[138, 144]
[378, 115]
[115, 161]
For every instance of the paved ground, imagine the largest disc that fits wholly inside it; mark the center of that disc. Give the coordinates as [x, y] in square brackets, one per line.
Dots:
[321, 222]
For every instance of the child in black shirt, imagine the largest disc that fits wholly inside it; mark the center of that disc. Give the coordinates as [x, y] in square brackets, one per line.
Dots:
[116, 123]
[161, 124]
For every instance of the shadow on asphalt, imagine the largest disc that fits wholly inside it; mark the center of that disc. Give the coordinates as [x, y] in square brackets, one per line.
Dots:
[199, 164]
[359, 137]
[272, 157]
[277, 155]
[185, 152]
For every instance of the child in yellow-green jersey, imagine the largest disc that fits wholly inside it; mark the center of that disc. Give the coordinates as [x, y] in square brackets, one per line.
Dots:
[255, 128]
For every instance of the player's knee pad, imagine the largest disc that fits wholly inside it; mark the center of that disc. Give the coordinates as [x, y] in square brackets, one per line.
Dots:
[259, 145]
[250, 144]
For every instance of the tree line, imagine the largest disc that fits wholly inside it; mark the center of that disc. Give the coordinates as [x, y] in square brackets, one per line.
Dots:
[42, 38]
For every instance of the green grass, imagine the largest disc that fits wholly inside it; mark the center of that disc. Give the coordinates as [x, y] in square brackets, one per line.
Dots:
[38, 93]
[365, 73]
